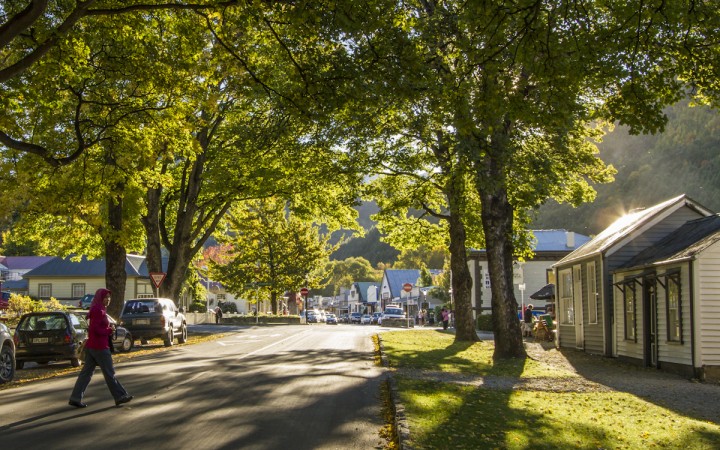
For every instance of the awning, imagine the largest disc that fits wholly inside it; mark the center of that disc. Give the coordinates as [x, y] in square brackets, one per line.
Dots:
[547, 292]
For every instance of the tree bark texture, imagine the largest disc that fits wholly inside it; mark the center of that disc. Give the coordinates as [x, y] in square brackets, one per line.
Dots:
[497, 221]
[115, 258]
[461, 283]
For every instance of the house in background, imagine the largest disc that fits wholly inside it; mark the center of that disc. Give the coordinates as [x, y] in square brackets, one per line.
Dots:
[391, 288]
[364, 295]
[531, 275]
[12, 269]
[68, 280]
[216, 295]
[586, 299]
[667, 313]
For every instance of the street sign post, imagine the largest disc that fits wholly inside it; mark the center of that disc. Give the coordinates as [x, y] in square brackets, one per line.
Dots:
[157, 279]
[304, 293]
[407, 287]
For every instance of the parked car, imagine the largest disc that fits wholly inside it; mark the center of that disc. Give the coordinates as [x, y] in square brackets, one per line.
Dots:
[391, 312]
[85, 302]
[122, 338]
[149, 318]
[311, 317]
[376, 317]
[344, 318]
[331, 319]
[50, 336]
[7, 355]
[366, 319]
[355, 317]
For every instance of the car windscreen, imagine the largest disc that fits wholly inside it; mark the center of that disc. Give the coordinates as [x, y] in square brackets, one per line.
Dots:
[141, 306]
[43, 322]
[394, 311]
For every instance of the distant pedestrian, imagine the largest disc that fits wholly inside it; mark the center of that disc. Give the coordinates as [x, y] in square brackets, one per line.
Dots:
[97, 353]
[445, 318]
[218, 314]
[527, 321]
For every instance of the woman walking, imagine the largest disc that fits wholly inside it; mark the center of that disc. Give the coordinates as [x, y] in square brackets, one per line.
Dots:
[97, 353]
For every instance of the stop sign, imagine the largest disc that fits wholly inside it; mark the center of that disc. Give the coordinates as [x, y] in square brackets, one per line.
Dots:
[407, 287]
[304, 292]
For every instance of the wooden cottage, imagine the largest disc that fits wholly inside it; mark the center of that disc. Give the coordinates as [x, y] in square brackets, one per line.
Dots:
[586, 299]
[667, 305]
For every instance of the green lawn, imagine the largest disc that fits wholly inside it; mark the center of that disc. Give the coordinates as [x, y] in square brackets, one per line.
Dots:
[451, 416]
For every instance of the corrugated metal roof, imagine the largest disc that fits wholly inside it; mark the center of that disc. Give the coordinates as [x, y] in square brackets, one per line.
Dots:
[24, 262]
[362, 288]
[627, 224]
[555, 241]
[683, 243]
[397, 277]
[65, 267]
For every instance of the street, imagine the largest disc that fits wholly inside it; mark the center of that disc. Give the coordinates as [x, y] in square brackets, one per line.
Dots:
[289, 387]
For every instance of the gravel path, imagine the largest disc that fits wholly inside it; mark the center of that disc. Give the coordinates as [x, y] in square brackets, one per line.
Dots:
[599, 374]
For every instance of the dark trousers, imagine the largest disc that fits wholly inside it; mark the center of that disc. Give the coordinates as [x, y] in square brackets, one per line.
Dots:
[94, 358]
[445, 324]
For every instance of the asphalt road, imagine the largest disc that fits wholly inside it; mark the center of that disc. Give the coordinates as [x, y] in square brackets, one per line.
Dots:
[283, 387]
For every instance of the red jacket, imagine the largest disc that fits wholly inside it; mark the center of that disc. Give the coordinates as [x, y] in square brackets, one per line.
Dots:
[99, 328]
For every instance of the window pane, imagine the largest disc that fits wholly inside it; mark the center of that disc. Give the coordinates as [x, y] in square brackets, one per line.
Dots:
[629, 312]
[592, 294]
[673, 299]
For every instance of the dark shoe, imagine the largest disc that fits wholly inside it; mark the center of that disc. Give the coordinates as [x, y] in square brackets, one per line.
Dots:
[122, 400]
[77, 404]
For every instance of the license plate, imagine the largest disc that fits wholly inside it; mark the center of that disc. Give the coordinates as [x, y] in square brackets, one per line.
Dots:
[40, 340]
[141, 321]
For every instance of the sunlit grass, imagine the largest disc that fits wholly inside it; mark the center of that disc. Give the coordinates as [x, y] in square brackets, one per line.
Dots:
[437, 350]
[447, 415]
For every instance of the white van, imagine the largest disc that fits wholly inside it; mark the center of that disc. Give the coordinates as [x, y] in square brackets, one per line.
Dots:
[391, 312]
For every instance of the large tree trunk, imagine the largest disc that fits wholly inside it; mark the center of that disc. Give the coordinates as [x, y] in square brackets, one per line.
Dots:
[497, 221]
[151, 223]
[194, 222]
[461, 278]
[115, 257]
[274, 302]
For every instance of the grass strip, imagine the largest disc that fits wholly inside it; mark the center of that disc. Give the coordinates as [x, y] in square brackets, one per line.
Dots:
[445, 415]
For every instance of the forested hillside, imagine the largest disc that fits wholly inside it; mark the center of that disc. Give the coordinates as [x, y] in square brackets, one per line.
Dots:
[685, 159]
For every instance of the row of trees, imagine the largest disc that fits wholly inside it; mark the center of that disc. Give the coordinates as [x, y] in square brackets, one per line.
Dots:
[132, 125]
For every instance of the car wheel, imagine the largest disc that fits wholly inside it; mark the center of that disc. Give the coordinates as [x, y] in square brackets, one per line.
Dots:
[183, 334]
[127, 343]
[7, 364]
[169, 338]
[19, 365]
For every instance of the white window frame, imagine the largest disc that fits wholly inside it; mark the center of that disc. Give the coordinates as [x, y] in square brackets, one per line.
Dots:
[674, 308]
[45, 291]
[144, 290]
[630, 310]
[78, 290]
[565, 297]
[592, 293]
